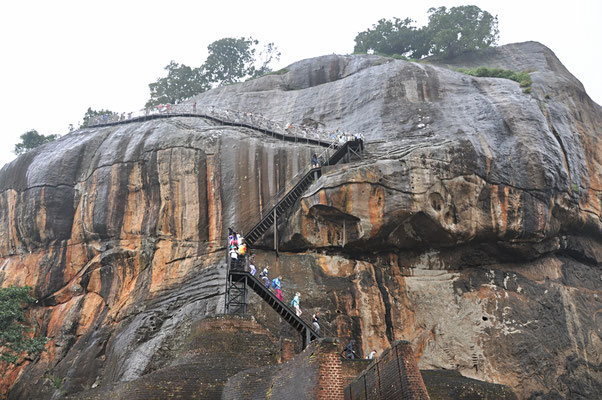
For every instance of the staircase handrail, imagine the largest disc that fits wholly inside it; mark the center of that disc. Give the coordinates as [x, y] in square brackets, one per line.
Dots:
[294, 183]
[259, 283]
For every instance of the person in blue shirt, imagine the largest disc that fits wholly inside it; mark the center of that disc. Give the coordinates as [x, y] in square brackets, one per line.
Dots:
[295, 304]
[276, 284]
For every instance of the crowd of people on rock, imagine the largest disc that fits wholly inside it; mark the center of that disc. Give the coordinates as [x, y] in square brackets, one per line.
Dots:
[238, 252]
[253, 119]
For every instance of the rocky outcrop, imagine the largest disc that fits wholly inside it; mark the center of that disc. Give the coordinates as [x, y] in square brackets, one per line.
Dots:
[472, 227]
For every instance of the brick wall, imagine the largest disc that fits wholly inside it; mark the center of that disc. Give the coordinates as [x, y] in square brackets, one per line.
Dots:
[350, 369]
[395, 375]
[330, 383]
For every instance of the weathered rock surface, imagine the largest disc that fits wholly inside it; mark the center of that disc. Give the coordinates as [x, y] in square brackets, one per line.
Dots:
[472, 227]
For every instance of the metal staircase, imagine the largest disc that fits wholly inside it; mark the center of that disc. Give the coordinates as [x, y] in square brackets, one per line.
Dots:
[238, 279]
[269, 218]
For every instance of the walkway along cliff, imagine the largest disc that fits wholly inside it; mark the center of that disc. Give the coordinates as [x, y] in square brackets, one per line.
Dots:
[471, 228]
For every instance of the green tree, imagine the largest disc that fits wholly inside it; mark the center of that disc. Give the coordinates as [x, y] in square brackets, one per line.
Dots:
[390, 37]
[13, 325]
[180, 83]
[448, 33]
[461, 29]
[230, 60]
[32, 139]
[91, 115]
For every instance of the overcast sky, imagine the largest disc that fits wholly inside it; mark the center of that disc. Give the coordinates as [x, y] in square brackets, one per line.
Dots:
[61, 57]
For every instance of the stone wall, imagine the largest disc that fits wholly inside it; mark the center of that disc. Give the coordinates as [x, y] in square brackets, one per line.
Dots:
[394, 376]
[215, 349]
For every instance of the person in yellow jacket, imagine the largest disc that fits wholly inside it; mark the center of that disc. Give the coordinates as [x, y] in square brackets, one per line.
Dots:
[242, 253]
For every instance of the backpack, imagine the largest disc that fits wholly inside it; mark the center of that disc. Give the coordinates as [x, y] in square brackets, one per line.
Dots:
[274, 284]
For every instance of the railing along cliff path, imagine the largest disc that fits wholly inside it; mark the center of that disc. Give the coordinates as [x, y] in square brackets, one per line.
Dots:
[278, 130]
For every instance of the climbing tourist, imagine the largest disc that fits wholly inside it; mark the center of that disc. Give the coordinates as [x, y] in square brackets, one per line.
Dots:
[348, 350]
[264, 276]
[232, 239]
[372, 355]
[242, 252]
[252, 265]
[314, 161]
[194, 107]
[276, 284]
[233, 257]
[315, 319]
[295, 304]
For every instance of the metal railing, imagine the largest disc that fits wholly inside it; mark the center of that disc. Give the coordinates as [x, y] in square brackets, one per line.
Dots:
[234, 117]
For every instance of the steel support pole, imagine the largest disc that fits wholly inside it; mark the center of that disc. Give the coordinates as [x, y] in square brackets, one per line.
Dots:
[275, 231]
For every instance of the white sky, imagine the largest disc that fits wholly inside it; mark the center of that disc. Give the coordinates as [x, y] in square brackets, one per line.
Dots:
[61, 57]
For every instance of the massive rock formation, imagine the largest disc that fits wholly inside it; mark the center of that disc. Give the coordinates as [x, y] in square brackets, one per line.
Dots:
[471, 228]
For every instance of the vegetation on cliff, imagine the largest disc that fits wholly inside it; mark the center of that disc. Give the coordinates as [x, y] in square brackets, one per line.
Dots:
[523, 78]
[230, 60]
[447, 34]
[32, 139]
[13, 325]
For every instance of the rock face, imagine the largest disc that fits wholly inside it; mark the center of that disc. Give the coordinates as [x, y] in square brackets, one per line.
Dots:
[472, 227]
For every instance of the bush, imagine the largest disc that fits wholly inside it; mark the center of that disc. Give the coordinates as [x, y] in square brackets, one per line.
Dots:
[13, 327]
[523, 78]
[279, 72]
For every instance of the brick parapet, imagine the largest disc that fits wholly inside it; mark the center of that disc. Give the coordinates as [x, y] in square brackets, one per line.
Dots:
[395, 375]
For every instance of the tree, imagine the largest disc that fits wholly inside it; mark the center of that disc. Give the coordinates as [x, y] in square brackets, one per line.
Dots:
[392, 37]
[230, 60]
[13, 327]
[461, 29]
[91, 115]
[448, 33]
[180, 83]
[32, 139]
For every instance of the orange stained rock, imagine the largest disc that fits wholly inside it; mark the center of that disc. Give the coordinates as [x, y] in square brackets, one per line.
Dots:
[371, 309]
[9, 375]
[214, 202]
[76, 259]
[162, 254]
[499, 210]
[94, 284]
[376, 207]
[21, 271]
[41, 216]
[335, 266]
[59, 313]
[135, 204]
[322, 197]
[92, 307]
